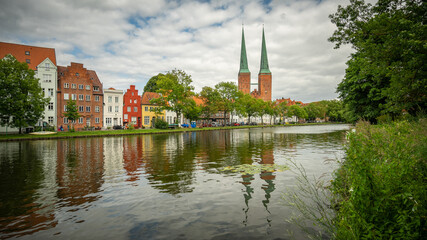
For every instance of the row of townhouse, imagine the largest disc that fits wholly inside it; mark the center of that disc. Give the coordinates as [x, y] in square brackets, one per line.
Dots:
[97, 107]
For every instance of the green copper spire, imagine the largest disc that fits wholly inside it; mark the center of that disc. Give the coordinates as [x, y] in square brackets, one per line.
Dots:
[264, 60]
[243, 59]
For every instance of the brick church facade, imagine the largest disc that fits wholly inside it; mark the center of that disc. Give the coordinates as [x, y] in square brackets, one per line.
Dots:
[264, 76]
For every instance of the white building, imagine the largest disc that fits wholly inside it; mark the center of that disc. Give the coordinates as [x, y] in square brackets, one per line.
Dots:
[47, 73]
[113, 107]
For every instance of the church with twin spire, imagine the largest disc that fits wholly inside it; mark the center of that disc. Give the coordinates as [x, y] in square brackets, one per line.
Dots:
[263, 91]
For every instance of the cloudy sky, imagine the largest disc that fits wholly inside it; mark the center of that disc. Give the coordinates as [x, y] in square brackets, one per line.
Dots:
[127, 42]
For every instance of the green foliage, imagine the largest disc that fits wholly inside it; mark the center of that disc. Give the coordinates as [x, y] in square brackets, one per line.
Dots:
[380, 188]
[297, 110]
[161, 124]
[22, 102]
[72, 112]
[248, 106]
[386, 74]
[315, 110]
[211, 101]
[175, 91]
[228, 94]
[192, 111]
[151, 85]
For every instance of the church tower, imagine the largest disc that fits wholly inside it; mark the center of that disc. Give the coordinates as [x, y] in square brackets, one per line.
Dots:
[264, 76]
[244, 80]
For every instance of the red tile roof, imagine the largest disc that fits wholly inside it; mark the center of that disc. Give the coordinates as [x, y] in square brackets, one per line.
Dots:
[35, 57]
[147, 96]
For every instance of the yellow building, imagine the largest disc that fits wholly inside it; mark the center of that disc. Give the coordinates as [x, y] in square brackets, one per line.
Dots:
[148, 109]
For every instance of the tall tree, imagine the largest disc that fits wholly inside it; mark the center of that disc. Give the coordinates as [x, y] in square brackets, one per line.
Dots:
[211, 101]
[228, 93]
[22, 101]
[151, 85]
[175, 91]
[387, 72]
[298, 111]
[249, 106]
[72, 113]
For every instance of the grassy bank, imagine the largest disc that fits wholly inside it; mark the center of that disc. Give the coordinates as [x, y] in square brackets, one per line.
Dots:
[104, 133]
[380, 189]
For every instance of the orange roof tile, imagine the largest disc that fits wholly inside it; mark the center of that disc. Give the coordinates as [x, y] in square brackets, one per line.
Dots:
[199, 101]
[147, 96]
[23, 53]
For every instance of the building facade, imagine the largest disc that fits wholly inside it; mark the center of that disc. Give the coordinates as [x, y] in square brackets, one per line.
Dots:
[149, 115]
[43, 62]
[132, 107]
[83, 86]
[264, 76]
[113, 107]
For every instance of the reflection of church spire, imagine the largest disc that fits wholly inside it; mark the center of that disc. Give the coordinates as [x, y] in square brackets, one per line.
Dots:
[249, 190]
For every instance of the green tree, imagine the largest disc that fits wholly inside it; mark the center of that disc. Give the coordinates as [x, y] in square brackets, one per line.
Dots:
[211, 101]
[228, 93]
[335, 110]
[175, 91]
[386, 74]
[192, 111]
[248, 106]
[263, 109]
[282, 109]
[72, 112]
[151, 85]
[298, 111]
[22, 101]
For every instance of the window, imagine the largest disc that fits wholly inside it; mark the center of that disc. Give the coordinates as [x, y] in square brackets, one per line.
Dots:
[108, 121]
[77, 74]
[73, 96]
[126, 116]
[87, 121]
[146, 120]
[135, 109]
[151, 109]
[50, 106]
[47, 77]
[87, 87]
[117, 99]
[73, 85]
[110, 108]
[130, 100]
[134, 101]
[81, 108]
[87, 108]
[81, 97]
[146, 109]
[95, 88]
[66, 97]
[132, 93]
[27, 61]
[97, 98]
[47, 66]
[88, 98]
[27, 53]
[116, 109]
[65, 120]
[129, 110]
[133, 120]
[96, 108]
[110, 99]
[65, 108]
[50, 120]
[97, 120]
[80, 120]
[81, 86]
[66, 85]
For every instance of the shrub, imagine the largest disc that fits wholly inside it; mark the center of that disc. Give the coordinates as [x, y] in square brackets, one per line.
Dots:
[379, 190]
[161, 124]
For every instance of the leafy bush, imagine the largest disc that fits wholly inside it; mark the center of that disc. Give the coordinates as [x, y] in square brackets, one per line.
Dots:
[161, 124]
[131, 127]
[379, 190]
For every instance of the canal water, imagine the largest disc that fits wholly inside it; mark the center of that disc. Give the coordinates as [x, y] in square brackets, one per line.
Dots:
[165, 186]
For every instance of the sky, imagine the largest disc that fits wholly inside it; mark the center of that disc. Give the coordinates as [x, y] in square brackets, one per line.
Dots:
[127, 41]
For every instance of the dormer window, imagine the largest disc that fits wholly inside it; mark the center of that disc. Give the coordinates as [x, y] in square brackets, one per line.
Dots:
[77, 74]
[27, 53]
[27, 61]
[47, 66]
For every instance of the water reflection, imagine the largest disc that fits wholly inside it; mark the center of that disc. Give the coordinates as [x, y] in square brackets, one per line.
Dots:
[47, 186]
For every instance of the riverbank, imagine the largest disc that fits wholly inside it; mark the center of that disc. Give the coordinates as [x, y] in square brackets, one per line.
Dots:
[106, 133]
[379, 191]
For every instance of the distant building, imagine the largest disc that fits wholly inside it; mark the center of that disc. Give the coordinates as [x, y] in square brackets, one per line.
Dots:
[132, 107]
[113, 107]
[43, 62]
[264, 76]
[148, 109]
[77, 83]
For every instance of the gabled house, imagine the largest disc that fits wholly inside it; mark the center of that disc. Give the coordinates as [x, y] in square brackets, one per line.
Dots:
[148, 109]
[132, 107]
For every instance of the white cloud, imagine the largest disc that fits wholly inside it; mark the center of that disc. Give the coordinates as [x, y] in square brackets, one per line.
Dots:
[126, 42]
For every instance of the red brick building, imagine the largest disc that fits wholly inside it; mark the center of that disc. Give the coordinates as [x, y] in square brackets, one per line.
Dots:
[264, 76]
[132, 107]
[77, 83]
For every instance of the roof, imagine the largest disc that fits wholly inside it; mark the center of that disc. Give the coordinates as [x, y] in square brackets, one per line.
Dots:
[95, 80]
[243, 58]
[264, 60]
[35, 55]
[147, 96]
[289, 101]
[199, 101]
